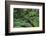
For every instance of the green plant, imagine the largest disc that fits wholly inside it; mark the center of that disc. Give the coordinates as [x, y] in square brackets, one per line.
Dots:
[26, 17]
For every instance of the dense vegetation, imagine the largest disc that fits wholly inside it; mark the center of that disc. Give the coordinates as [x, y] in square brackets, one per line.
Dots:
[26, 17]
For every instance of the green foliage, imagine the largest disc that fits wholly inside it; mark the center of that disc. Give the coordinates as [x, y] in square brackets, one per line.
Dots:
[26, 17]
